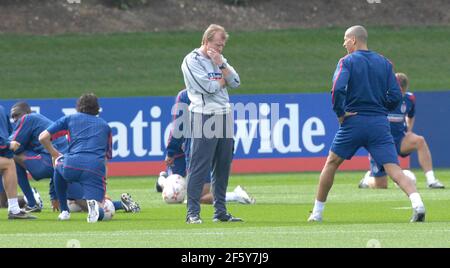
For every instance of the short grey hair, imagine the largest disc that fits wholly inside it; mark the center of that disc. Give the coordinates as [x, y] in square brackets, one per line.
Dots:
[359, 32]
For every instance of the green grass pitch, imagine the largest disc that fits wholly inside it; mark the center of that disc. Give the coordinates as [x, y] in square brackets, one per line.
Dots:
[353, 218]
[148, 64]
[282, 61]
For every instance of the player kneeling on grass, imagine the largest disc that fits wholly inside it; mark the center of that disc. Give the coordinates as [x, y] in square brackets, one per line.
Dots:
[90, 146]
[29, 155]
[8, 169]
[401, 121]
[380, 182]
[77, 203]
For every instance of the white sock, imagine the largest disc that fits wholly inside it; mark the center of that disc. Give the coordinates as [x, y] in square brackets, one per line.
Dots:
[430, 177]
[416, 201]
[13, 205]
[318, 208]
[231, 196]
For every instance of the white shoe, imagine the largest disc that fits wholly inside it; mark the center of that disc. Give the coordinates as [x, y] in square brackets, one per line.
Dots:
[315, 218]
[418, 214]
[64, 216]
[362, 184]
[436, 185]
[129, 205]
[37, 197]
[160, 181]
[243, 196]
[93, 212]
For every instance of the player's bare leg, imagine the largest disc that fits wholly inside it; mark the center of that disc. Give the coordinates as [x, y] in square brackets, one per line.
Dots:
[242, 196]
[412, 142]
[327, 176]
[325, 183]
[397, 175]
[408, 186]
[8, 169]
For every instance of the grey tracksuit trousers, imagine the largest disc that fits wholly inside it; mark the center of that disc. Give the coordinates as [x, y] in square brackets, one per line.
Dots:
[209, 153]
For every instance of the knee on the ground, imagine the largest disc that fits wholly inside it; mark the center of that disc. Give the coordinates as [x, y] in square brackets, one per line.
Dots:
[380, 184]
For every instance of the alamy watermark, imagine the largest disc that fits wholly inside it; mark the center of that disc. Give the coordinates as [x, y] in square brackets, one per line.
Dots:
[221, 125]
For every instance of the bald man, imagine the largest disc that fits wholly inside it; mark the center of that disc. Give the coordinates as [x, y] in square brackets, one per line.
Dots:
[364, 91]
[406, 141]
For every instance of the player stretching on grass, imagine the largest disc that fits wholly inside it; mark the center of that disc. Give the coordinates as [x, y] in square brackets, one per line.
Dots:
[77, 203]
[30, 155]
[364, 90]
[406, 141]
[8, 169]
[85, 161]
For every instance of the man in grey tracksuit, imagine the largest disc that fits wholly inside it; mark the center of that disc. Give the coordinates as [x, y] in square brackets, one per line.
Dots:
[207, 76]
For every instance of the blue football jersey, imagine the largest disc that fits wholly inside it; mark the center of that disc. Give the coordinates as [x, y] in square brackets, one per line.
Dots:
[406, 107]
[175, 145]
[89, 136]
[5, 129]
[27, 131]
[364, 82]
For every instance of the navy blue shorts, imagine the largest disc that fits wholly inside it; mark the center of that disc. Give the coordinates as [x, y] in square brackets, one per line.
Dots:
[377, 170]
[92, 180]
[7, 153]
[371, 132]
[75, 191]
[178, 167]
[39, 165]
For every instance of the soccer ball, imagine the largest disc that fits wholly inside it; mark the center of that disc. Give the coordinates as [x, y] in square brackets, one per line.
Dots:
[411, 175]
[174, 189]
[109, 209]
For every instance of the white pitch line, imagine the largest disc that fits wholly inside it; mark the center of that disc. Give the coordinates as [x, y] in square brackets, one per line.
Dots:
[231, 232]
